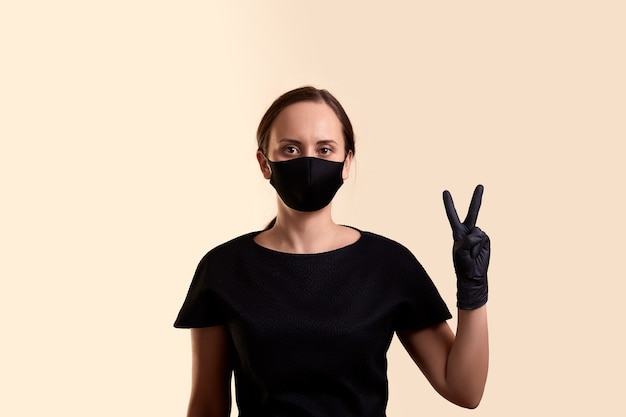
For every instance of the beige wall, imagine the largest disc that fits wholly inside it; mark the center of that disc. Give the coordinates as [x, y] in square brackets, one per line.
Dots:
[127, 132]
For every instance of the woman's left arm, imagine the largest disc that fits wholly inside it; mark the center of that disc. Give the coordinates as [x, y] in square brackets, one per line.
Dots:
[456, 366]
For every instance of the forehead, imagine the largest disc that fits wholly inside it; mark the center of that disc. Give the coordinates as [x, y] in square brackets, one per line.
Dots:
[305, 120]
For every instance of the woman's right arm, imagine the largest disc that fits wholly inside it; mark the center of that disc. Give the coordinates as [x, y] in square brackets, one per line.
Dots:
[210, 373]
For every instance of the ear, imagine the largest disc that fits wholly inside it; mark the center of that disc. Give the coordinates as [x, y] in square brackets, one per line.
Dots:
[346, 166]
[266, 170]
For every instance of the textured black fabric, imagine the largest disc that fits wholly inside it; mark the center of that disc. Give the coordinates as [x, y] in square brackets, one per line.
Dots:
[310, 332]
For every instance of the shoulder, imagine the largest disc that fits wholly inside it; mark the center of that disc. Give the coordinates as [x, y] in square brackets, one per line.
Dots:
[222, 261]
[379, 249]
[401, 270]
[230, 248]
[381, 242]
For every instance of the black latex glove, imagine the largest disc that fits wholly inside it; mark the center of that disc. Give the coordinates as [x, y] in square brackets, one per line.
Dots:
[470, 253]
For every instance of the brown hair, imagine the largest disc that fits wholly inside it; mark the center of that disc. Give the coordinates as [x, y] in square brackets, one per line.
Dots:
[298, 95]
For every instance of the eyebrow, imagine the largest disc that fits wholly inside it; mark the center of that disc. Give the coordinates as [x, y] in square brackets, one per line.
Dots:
[295, 141]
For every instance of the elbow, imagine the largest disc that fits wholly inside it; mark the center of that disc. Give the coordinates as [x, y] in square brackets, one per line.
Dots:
[468, 401]
[464, 398]
[466, 392]
[470, 404]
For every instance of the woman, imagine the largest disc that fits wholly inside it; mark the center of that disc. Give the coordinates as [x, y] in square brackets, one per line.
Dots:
[304, 311]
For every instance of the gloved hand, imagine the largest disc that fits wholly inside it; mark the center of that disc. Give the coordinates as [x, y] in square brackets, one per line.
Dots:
[470, 253]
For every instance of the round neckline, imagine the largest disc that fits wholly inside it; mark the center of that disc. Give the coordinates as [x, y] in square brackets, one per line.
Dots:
[331, 251]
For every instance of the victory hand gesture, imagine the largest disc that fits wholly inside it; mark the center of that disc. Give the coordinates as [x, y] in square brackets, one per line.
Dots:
[470, 253]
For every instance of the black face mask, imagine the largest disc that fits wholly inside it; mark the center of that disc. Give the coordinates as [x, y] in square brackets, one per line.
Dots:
[307, 183]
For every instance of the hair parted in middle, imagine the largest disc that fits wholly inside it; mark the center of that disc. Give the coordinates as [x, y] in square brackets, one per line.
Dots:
[303, 94]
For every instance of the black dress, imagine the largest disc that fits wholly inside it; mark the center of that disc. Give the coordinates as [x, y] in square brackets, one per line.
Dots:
[310, 332]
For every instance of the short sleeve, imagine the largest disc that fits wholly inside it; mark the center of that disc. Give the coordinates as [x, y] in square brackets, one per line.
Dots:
[420, 304]
[202, 306]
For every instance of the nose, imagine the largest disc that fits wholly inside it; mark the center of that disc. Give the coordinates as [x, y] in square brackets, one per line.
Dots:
[309, 151]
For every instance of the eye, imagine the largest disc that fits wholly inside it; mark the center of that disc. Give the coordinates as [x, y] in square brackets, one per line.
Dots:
[325, 151]
[290, 149]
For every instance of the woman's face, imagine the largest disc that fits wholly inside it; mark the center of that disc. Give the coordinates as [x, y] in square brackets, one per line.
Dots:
[306, 129]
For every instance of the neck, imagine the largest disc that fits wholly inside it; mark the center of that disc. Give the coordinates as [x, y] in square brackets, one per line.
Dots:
[304, 232]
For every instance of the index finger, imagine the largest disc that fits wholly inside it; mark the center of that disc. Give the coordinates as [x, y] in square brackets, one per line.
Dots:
[472, 214]
[453, 217]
